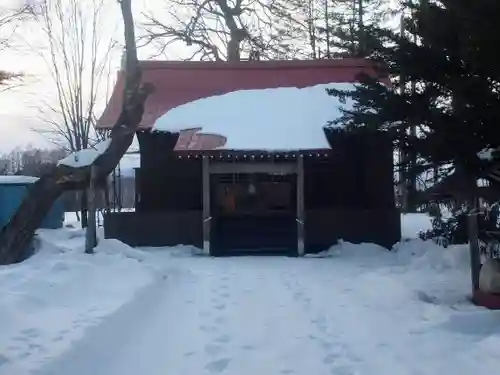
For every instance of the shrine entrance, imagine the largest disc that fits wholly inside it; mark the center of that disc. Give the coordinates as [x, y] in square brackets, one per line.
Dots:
[253, 209]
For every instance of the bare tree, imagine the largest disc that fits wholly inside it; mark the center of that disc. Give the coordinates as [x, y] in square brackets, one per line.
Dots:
[78, 55]
[226, 29]
[16, 236]
[10, 19]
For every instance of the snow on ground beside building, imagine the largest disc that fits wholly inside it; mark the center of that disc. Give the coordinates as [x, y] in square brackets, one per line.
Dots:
[359, 310]
[285, 118]
[71, 219]
[49, 300]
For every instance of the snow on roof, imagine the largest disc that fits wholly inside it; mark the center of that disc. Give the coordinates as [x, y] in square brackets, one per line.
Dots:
[86, 156]
[285, 118]
[17, 179]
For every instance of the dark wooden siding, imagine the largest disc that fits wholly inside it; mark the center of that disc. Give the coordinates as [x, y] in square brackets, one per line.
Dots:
[155, 229]
[348, 195]
[359, 174]
[324, 228]
[165, 182]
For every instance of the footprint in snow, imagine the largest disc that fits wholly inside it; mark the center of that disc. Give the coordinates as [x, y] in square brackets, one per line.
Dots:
[223, 339]
[218, 366]
[3, 360]
[342, 370]
[321, 324]
[207, 328]
[27, 334]
[220, 320]
[287, 371]
[21, 338]
[213, 349]
[30, 332]
[24, 355]
[330, 358]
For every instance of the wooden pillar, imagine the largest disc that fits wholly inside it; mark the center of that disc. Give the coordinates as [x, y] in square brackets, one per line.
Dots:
[206, 205]
[300, 206]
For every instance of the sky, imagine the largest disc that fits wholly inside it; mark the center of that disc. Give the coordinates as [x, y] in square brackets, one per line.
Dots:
[20, 107]
[20, 117]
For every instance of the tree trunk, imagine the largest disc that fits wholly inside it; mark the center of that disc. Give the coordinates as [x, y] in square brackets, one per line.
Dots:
[234, 46]
[473, 234]
[361, 29]
[83, 208]
[91, 233]
[472, 225]
[17, 235]
[403, 154]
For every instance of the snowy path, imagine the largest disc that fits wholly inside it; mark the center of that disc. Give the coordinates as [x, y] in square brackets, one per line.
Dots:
[247, 316]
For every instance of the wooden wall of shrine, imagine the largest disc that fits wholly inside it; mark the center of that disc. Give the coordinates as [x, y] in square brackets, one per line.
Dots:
[348, 192]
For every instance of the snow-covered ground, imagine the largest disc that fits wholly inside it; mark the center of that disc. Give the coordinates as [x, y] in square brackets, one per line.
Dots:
[48, 301]
[362, 310]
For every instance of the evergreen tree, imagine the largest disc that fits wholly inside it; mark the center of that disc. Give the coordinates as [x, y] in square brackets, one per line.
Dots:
[449, 54]
[346, 23]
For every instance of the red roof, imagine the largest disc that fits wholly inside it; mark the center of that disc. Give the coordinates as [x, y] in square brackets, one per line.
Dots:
[180, 82]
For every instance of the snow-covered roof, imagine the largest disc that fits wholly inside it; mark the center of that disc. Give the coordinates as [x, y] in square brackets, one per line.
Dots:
[86, 156]
[285, 118]
[17, 179]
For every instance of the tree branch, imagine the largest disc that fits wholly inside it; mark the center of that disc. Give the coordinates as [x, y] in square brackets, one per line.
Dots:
[18, 233]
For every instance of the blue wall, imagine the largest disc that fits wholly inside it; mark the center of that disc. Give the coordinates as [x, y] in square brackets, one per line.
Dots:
[11, 197]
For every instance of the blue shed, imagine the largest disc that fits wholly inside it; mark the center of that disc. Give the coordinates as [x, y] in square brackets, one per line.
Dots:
[12, 192]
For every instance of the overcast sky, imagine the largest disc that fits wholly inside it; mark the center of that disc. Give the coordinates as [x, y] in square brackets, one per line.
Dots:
[19, 111]
[19, 108]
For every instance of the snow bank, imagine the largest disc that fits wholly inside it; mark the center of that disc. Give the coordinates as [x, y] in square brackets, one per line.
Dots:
[364, 310]
[286, 118]
[414, 253]
[118, 248]
[411, 224]
[85, 157]
[49, 300]
[17, 179]
[427, 271]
